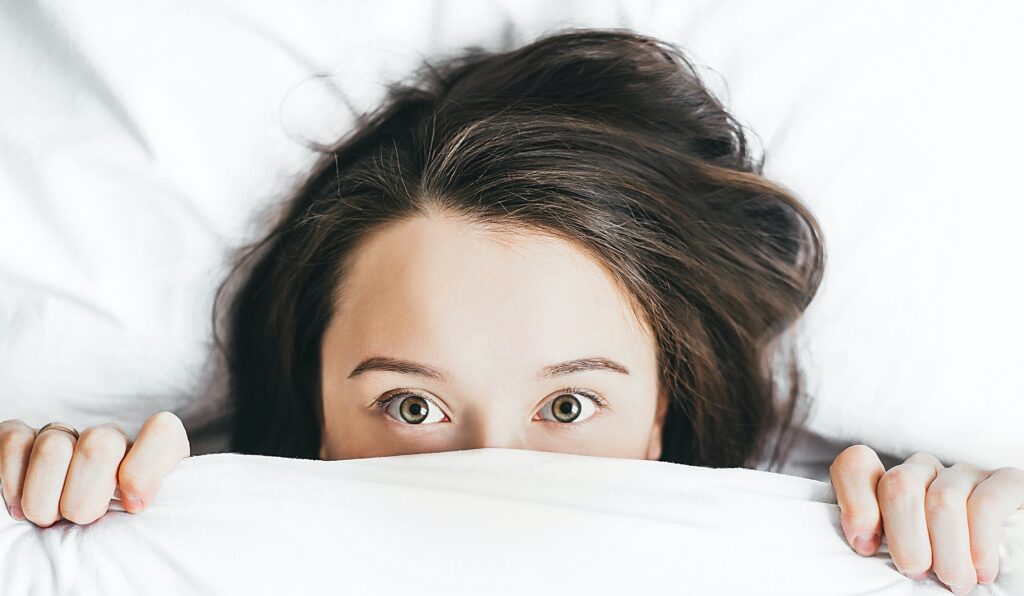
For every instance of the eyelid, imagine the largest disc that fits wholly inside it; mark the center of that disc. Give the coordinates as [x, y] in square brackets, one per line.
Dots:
[585, 392]
[383, 401]
[600, 405]
[386, 398]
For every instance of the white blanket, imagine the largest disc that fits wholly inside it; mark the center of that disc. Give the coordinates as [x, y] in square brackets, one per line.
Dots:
[483, 521]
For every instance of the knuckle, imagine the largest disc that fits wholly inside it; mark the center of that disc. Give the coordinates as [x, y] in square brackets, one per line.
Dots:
[851, 455]
[961, 466]
[924, 457]
[166, 423]
[112, 426]
[1014, 474]
[942, 502]
[101, 444]
[53, 445]
[924, 460]
[13, 441]
[13, 425]
[167, 429]
[895, 485]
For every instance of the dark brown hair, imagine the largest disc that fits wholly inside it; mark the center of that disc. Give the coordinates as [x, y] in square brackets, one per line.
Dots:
[602, 137]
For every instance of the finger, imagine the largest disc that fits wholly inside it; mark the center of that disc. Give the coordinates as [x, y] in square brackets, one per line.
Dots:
[901, 493]
[16, 440]
[988, 508]
[92, 474]
[946, 515]
[44, 480]
[855, 474]
[161, 444]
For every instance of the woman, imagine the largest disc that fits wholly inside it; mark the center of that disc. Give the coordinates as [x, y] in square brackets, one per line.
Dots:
[563, 247]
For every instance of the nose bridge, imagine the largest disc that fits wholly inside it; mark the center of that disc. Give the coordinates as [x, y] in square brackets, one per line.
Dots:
[495, 427]
[493, 436]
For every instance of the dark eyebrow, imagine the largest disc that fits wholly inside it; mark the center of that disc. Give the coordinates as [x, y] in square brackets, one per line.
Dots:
[548, 372]
[397, 365]
[580, 365]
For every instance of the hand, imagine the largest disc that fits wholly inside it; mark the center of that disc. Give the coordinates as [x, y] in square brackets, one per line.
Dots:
[946, 519]
[53, 474]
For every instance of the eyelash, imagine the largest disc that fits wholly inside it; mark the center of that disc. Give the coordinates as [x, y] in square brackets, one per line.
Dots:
[385, 399]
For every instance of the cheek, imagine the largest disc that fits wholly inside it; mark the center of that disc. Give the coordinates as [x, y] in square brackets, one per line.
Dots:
[353, 441]
[618, 435]
[342, 431]
[353, 433]
[602, 446]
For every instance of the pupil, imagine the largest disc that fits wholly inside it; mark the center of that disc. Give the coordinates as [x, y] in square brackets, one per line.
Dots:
[566, 410]
[414, 412]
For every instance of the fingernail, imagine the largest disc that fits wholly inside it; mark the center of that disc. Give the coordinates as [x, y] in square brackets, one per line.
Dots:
[919, 575]
[986, 577]
[132, 502]
[16, 513]
[961, 590]
[865, 543]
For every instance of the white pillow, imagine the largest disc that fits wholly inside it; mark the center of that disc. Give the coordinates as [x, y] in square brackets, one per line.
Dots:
[140, 142]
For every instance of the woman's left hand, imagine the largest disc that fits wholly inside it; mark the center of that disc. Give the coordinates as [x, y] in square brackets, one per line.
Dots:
[934, 517]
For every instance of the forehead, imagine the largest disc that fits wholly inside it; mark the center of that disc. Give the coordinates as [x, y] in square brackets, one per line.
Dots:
[450, 291]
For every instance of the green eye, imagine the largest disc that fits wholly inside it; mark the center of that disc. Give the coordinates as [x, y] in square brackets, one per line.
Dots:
[411, 408]
[567, 408]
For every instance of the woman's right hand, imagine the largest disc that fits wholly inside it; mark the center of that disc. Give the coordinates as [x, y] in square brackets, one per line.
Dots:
[54, 475]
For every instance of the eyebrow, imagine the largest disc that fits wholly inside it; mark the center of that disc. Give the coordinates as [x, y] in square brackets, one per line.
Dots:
[409, 367]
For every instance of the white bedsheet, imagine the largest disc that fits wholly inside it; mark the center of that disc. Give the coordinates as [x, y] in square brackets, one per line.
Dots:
[496, 521]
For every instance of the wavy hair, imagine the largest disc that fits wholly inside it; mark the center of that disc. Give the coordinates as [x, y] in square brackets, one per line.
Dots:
[605, 138]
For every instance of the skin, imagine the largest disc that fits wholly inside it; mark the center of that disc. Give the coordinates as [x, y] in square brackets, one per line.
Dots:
[934, 518]
[490, 311]
[52, 475]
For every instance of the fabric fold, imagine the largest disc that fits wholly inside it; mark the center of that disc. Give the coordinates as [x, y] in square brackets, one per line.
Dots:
[498, 521]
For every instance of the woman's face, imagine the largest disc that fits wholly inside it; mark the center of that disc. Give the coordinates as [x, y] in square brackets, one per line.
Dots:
[485, 340]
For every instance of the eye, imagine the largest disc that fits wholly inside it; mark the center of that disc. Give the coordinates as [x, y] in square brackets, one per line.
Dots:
[410, 408]
[566, 407]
